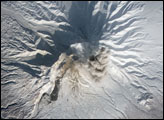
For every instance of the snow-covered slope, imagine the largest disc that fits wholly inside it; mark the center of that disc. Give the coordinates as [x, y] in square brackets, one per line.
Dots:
[82, 59]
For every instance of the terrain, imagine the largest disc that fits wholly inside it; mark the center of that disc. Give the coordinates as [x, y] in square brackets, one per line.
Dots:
[96, 59]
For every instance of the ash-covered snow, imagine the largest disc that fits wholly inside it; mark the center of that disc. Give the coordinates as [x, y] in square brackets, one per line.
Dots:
[96, 59]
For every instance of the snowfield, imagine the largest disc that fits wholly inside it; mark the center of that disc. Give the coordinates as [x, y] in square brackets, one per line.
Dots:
[96, 59]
